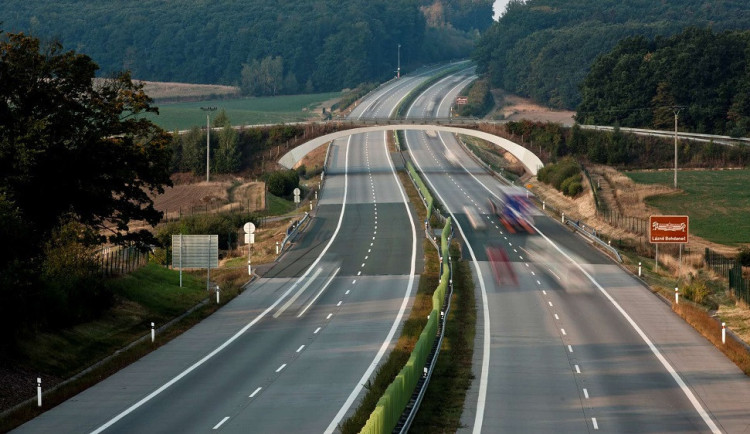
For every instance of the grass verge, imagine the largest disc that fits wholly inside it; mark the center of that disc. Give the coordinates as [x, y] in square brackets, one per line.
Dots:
[149, 294]
[443, 402]
[706, 325]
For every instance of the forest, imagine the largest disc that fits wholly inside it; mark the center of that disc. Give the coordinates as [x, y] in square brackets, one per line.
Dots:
[704, 76]
[266, 46]
[544, 49]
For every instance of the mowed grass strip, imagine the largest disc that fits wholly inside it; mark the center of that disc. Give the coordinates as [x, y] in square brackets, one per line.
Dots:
[242, 111]
[152, 293]
[717, 201]
[443, 402]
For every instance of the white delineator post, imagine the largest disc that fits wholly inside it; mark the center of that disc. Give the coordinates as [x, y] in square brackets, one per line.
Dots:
[277, 247]
[676, 296]
[38, 391]
[563, 218]
[723, 333]
[639, 270]
[153, 333]
[217, 294]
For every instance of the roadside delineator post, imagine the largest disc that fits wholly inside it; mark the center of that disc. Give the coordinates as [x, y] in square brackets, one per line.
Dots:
[563, 218]
[544, 205]
[676, 295]
[723, 333]
[38, 391]
[153, 333]
[217, 294]
[277, 247]
[639, 270]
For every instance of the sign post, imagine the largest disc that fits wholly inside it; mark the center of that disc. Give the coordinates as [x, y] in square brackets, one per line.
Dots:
[668, 229]
[249, 229]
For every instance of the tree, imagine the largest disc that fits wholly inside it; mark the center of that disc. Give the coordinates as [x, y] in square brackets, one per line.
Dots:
[194, 151]
[78, 163]
[81, 142]
[227, 159]
[221, 119]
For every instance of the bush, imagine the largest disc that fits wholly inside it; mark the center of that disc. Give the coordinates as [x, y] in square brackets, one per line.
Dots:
[282, 183]
[574, 188]
[744, 256]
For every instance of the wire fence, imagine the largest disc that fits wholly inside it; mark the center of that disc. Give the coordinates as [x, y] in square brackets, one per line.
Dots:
[731, 268]
[116, 261]
[187, 211]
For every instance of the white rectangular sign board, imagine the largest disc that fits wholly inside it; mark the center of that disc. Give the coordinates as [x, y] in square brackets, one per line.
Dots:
[195, 251]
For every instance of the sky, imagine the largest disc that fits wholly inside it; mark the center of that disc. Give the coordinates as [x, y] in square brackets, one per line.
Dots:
[498, 8]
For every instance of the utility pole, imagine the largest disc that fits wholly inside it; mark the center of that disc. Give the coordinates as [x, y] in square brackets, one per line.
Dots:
[208, 111]
[398, 70]
[676, 110]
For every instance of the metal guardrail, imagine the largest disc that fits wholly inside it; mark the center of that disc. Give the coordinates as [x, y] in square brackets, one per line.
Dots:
[592, 236]
[292, 232]
[418, 396]
[698, 137]
[407, 418]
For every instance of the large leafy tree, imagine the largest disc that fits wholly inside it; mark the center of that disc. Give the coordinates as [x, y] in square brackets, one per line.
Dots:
[77, 161]
[76, 147]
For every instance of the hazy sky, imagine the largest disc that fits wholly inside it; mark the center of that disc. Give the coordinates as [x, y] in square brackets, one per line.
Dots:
[498, 8]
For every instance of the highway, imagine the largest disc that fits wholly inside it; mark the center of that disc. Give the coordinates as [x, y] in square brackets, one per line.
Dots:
[575, 344]
[293, 351]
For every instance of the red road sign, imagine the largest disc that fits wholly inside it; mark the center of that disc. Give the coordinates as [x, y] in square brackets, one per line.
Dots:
[668, 228]
[462, 100]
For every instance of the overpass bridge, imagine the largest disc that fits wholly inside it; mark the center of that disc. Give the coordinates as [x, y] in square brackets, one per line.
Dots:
[525, 156]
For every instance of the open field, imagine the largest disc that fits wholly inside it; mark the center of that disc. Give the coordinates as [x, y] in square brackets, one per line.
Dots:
[717, 201]
[160, 90]
[244, 111]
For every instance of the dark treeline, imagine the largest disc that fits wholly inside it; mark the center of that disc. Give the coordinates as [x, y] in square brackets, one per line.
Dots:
[267, 46]
[543, 49]
[622, 150]
[641, 82]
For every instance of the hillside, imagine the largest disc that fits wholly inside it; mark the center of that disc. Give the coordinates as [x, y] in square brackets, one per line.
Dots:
[543, 49]
[306, 45]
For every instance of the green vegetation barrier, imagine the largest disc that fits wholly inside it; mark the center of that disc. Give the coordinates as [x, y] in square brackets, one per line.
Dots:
[422, 188]
[393, 402]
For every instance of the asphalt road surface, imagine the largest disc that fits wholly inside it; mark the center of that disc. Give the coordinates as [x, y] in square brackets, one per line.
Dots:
[567, 340]
[293, 351]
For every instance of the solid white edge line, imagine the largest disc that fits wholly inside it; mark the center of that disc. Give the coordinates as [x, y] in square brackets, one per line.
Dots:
[221, 423]
[680, 382]
[677, 378]
[319, 293]
[397, 321]
[234, 337]
[484, 375]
